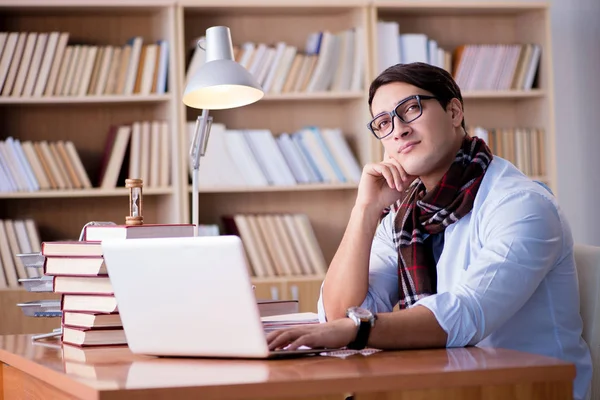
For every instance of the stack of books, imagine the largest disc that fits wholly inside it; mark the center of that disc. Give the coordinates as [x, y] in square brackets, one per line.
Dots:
[89, 310]
[90, 315]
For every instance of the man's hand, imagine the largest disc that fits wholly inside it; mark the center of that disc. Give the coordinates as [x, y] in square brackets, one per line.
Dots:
[334, 334]
[381, 184]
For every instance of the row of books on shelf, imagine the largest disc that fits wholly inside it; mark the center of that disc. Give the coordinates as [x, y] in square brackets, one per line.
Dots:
[256, 157]
[523, 147]
[36, 64]
[19, 236]
[141, 149]
[31, 166]
[329, 62]
[394, 48]
[473, 66]
[278, 244]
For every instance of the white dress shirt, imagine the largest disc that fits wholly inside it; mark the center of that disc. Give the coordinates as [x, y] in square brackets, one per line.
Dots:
[506, 276]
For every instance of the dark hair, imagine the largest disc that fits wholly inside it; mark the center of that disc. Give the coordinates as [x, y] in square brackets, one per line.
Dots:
[435, 80]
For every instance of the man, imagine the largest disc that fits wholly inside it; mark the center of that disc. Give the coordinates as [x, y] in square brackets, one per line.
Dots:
[472, 251]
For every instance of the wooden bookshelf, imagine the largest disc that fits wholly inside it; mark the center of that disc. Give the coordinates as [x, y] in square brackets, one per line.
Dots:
[455, 23]
[85, 119]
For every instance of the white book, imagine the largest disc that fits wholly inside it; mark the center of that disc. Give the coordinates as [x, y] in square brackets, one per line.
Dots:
[532, 67]
[293, 158]
[269, 152]
[3, 37]
[317, 155]
[135, 153]
[149, 66]
[257, 59]
[358, 72]
[105, 64]
[274, 66]
[79, 70]
[414, 48]
[7, 56]
[388, 45]
[343, 74]
[87, 68]
[57, 86]
[265, 65]
[78, 165]
[165, 155]
[244, 160]
[12, 164]
[24, 163]
[48, 155]
[36, 165]
[217, 167]
[248, 49]
[24, 65]
[342, 154]
[46, 64]
[24, 245]
[56, 64]
[14, 65]
[8, 181]
[145, 151]
[5, 184]
[117, 156]
[132, 66]
[155, 165]
[283, 71]
[163, 67]
[36, 62]
[315, 173]
[69, 77]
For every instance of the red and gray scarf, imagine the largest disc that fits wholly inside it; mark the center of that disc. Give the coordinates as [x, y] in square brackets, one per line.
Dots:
[419, 213]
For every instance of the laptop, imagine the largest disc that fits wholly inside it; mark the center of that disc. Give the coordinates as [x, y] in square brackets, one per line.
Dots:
[188, 297]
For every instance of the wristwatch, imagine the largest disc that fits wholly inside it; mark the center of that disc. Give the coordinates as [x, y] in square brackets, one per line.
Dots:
[364, 320]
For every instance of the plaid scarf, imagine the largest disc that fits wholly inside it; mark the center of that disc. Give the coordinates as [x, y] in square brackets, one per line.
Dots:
[419, 213]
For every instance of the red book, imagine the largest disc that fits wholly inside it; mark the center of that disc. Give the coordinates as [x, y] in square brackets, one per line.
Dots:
[102, 232]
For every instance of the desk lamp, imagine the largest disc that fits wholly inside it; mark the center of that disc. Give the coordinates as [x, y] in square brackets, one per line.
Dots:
[220, 83]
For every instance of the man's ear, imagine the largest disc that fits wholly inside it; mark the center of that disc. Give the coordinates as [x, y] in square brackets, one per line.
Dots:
[456, 111]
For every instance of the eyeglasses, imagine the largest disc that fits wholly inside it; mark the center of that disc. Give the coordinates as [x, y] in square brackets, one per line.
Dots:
[407, 111]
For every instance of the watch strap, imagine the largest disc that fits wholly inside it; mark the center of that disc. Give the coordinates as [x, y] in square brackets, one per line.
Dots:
[362, 336]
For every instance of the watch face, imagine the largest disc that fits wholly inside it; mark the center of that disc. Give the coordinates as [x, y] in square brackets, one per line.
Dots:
[361, 313]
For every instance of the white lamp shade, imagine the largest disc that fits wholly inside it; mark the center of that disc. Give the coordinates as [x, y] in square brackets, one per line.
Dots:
[221, 82]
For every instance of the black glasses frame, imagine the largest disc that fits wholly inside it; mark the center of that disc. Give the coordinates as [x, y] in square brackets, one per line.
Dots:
[394, 113]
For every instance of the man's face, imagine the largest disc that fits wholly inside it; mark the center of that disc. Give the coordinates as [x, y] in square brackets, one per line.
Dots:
[424, 145]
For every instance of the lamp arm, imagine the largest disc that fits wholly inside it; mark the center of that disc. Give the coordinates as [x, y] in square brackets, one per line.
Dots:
[197, 151]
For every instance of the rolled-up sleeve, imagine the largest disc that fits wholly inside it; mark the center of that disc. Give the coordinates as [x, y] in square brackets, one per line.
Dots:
[521, 241]
[383, 272]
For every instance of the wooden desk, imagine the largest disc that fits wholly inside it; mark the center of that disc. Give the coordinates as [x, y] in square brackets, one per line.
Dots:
[48, 371]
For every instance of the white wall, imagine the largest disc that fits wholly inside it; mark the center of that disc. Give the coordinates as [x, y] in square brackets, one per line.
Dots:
[576, 55]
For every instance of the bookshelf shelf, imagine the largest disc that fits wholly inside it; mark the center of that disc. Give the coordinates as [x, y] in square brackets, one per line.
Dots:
[155, 98]
[504, 94]
[95, 192]
[295, 188]
[314, 96]
[438, 8]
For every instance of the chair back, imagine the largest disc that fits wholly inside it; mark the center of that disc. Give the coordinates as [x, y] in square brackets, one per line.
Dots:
[587, 259]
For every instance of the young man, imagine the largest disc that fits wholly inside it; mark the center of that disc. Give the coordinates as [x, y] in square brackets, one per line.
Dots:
[472, 251]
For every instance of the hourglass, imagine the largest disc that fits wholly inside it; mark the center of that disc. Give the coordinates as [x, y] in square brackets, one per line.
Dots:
[135, 216]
